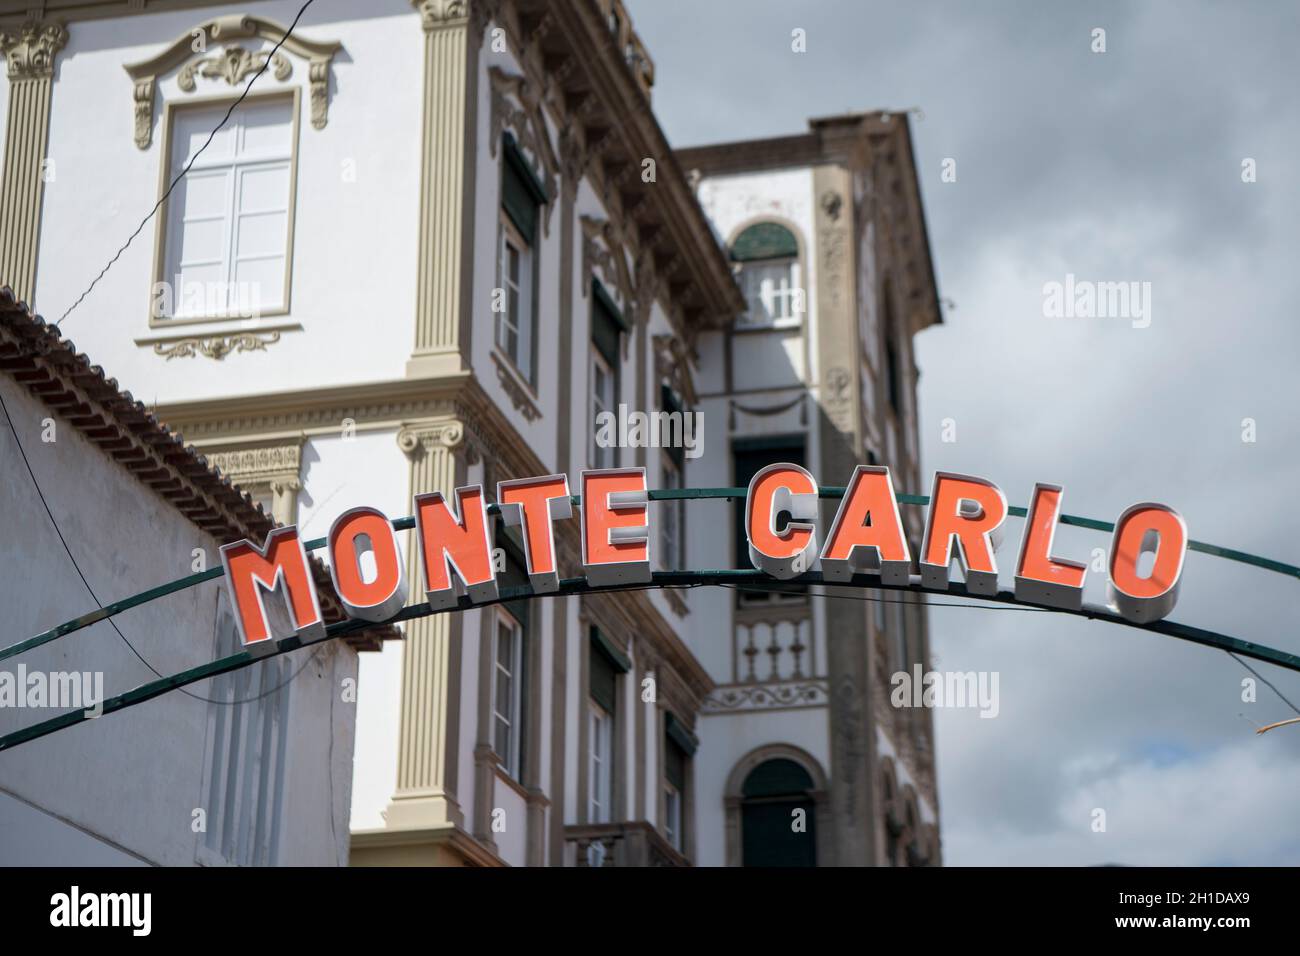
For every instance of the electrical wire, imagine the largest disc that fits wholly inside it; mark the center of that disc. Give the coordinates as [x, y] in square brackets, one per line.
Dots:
[100, 604]
[1266, 681]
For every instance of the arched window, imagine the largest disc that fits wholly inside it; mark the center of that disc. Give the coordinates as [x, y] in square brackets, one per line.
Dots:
[768, 254]
[777, 815]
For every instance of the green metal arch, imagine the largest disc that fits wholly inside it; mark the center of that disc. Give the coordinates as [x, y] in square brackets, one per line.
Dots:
[579, 585]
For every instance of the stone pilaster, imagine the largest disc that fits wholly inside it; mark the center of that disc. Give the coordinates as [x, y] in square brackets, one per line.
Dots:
[853, 739]
[430, 709]
[447, 154]
[29, 51]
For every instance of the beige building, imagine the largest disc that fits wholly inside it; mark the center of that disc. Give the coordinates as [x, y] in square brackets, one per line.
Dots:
[434, 243]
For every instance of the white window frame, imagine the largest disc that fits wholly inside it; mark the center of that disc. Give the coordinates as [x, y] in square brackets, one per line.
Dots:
[600, 763]
[673, 816]
[602, 457]
[506, 713]
[166, 226]
[772, 288]
[522, 319]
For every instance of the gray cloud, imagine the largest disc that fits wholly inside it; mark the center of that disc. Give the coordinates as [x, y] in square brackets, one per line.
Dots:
[1115, 166]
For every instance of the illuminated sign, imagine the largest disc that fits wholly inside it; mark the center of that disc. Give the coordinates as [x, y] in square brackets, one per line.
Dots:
[865, 538]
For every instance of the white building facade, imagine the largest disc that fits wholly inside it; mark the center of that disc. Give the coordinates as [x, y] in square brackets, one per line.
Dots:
[251, 767]
[433, 242]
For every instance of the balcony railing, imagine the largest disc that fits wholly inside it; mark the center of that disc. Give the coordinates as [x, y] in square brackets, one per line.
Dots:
[621, 844]
[774, 643]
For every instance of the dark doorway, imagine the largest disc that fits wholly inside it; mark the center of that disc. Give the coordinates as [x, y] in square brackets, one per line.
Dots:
[774, 831]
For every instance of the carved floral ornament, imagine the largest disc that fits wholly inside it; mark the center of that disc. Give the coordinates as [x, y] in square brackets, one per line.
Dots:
[192, 55]
[217, 346]
[29, 49]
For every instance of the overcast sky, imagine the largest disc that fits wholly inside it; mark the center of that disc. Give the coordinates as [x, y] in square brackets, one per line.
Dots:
[1117, 166]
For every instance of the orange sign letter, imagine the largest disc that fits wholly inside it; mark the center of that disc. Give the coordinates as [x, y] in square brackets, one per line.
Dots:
[615, 526]
[282, 566]
[1040, 578]
[449, 543]
[353, 533]
[966, 510]
[1140, 529]
[777, 488]
[856, 547]
[535, 503]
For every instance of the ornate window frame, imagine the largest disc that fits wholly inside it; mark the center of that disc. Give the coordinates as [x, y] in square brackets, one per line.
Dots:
[233, 63]
[800, 323]
[253, 334]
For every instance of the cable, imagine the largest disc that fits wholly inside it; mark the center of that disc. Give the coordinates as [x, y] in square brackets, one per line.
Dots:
[1264, 679]
[181, 174]
[95, 597]
[849, 597]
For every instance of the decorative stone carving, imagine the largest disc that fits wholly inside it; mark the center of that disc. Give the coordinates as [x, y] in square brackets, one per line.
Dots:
[233, 64]
[244, 463]
[831, 203]
[529, 126]
[519, 396]
[812, 693]
[673, 365]
[30, 49]
[437, 13]
[601, 248]
[217, 346]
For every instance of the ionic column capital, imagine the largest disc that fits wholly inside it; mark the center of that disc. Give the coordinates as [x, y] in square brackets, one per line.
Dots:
[420, 438]
[440, 13]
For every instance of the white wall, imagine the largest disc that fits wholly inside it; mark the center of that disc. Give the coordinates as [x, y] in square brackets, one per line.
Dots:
[354, 248]
[724, 741]
[134, 778]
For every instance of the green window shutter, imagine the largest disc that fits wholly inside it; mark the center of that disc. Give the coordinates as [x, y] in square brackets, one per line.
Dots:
[522, 194]
[607, 324]
[620, 661]
[679, 746]
[669, 402]
[777, 778]
[515, 573]
[675, 765]
[602, 672]
[764, 240]
[676, 731]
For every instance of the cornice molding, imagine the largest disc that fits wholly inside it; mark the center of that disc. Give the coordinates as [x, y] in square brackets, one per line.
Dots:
[30, 48]
[233, 64]
[607, 129]
[268, 463]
